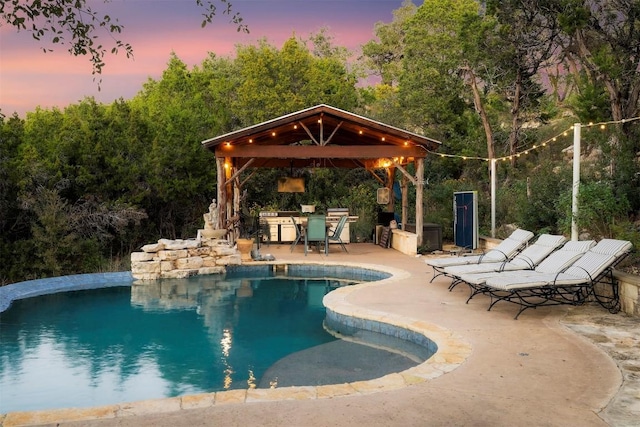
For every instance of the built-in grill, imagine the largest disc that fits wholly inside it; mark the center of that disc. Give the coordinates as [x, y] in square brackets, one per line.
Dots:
[281, 228]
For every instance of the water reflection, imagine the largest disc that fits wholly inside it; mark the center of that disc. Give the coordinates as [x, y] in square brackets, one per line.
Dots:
[161, 339]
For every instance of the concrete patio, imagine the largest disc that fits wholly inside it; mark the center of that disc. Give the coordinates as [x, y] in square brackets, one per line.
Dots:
[554, 366]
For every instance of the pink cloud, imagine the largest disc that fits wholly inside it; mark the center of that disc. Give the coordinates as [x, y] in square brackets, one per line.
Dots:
[30, 78]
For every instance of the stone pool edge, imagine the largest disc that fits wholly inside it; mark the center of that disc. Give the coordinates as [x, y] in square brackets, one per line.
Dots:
[452, 351]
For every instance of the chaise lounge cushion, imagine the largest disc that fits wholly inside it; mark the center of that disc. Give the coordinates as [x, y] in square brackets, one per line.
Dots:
[503, 252]
[583, 271]
[528, 259]
[553, 264]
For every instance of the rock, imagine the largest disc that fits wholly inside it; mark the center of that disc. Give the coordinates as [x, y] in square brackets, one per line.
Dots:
[154, 247]
[193, 262]
[142, 256]
[166, 255]
[223, 250]
[167, 265]
[203, 251]
[145, 267]
[209, 261]
[229, 260]
[178, 244]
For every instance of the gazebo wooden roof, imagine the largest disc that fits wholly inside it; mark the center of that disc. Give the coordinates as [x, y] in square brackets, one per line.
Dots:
[319, 136]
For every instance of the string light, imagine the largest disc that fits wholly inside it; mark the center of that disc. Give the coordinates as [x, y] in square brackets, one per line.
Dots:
[601, 125]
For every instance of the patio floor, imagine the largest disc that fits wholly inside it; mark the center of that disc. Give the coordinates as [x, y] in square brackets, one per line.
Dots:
[553, 366]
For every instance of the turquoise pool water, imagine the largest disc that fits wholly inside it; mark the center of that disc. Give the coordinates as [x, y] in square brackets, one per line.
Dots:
[168, 338]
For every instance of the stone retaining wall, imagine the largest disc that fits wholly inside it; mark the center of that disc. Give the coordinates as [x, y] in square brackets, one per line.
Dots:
[178, 259]
[629, 288]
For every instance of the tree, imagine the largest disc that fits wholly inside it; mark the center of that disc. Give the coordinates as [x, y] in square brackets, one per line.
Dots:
[430, 84]
[384, 59]
[384, 56]
[74, 23]
[603, 37]
[274, 82]
[527, 44]
[177, 171]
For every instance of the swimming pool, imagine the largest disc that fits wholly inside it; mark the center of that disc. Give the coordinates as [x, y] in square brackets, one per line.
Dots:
[103, 346]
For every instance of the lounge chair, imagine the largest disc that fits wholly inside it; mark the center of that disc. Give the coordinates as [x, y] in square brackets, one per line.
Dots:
[574, 285]
[335, 235]
[506, 250]
[528, 259]
[555, 263]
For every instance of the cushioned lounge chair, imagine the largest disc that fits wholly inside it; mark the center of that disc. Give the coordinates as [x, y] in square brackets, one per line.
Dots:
[573, 285]
[528, 259]
[555, 263]
[506, 250]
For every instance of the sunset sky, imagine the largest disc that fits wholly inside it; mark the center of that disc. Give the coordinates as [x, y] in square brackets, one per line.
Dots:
[155, 28]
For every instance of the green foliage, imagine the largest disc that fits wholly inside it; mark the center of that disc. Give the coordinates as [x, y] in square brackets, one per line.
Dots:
[599, 210]
[430, 86]
[591, 102]
[275, 82]
[530, 202]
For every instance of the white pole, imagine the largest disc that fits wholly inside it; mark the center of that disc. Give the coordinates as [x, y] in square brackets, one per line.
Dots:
[576, 180]
[493, 197]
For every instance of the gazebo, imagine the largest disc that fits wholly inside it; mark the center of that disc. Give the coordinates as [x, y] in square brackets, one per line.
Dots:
[320, 136]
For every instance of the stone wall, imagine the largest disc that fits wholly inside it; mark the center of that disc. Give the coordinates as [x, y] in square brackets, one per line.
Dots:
[178, 259]
[629, 288]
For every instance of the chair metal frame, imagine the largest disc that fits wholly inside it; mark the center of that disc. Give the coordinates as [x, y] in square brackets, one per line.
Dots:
[574, 285]
[335, 236]
[299, 233]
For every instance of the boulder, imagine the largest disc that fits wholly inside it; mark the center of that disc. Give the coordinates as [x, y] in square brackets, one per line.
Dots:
[229, 260]
[145, 267]
[167, 255]
[142, 256]
[154, 247]
[223, 250]
[167, 265]
[193, 262]
[209, 261]
[202, 251]
[179, 244]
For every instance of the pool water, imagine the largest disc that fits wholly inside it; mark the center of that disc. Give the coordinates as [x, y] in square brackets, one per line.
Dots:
[163, 339]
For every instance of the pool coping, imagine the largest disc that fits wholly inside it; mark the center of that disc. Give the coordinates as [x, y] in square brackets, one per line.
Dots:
[452, 351]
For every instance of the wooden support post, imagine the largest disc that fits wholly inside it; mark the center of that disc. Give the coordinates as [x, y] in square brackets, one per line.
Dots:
[405, 201]
[220, 193]
[419, 195]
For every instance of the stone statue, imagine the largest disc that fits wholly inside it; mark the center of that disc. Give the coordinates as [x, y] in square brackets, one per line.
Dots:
[211, 217]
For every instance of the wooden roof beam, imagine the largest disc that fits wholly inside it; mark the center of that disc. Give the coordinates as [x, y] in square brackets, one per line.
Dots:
[326, 151]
